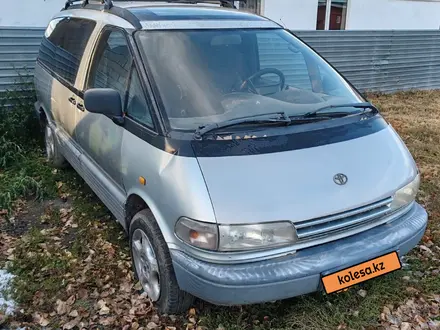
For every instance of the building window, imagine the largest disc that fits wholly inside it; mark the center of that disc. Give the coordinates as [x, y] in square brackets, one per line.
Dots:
[332, 14]
[252, 6]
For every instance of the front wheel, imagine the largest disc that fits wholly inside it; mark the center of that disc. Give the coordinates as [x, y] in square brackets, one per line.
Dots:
[53, 154]
[153, 266]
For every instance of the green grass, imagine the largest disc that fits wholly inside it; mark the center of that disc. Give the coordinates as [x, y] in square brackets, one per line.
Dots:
[37, 268]
[314, 311]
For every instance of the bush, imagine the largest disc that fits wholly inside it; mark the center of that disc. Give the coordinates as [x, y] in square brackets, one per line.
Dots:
[18, 122]
[20, 145]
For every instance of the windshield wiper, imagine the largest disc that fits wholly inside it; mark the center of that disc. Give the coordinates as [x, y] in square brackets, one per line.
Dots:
[362, 105]
[266, 118]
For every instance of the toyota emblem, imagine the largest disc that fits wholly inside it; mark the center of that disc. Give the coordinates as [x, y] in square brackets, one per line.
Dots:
[340, 179]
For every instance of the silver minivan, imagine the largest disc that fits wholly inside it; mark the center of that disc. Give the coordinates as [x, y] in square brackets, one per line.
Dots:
[242, 165]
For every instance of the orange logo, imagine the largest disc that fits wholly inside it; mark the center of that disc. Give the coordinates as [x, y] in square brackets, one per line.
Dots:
[362, 272]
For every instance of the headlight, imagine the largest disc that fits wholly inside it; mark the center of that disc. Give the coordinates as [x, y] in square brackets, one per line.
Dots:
[406, 195]
[252, 237]
[235, 237]
[200, 234]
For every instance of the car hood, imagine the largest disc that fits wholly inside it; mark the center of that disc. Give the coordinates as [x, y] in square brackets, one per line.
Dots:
[298, 185]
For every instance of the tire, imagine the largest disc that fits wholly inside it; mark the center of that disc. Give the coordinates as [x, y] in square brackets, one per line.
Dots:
[170, 300]
[53, 155]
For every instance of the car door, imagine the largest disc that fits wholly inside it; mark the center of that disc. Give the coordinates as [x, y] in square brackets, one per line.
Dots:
[64, 43]
[99, 137]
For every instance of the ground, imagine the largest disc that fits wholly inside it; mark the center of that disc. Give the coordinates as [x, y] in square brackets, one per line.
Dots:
[71, 267]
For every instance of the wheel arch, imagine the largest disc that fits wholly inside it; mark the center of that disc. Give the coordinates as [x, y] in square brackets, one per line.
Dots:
[133, 205]
[138, 200]
[44, 116]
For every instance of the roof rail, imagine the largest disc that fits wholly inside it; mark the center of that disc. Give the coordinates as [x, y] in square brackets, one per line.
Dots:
[108, 4]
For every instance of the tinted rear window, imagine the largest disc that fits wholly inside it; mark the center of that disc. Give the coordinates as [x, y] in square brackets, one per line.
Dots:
[63, 46]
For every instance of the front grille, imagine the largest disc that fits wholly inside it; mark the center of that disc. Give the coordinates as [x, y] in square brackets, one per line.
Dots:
[317, 227]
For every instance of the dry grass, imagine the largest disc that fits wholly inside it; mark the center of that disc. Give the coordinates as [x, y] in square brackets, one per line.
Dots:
[416, 117]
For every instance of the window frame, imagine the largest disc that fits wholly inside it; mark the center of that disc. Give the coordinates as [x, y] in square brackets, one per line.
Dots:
[92, 62]
[131, 124]
[56, 75]
[327, 16]
[133, 70]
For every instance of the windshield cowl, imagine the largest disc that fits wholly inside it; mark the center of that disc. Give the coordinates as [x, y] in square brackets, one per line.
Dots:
[297, 126]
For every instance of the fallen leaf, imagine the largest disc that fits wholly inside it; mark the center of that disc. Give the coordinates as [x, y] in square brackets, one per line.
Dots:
[82, 294]
[362, 293]
[107, 320]
[104, 310]
[71, 324]
[70, 301]
[38, 318]
[151, 325]
[410, 289]
[125, 287]
[419, 319]
[405, 326]
[60, 307]
[74, 313]
[425, 248]
[138, 286]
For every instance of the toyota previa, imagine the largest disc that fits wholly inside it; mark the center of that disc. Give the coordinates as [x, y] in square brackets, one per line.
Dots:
[243, 167]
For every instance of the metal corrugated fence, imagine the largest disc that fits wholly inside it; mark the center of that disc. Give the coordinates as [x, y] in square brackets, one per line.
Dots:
[18, 51]
[384, 61]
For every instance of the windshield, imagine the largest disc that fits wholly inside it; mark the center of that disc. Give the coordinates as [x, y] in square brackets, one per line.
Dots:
[209, 76]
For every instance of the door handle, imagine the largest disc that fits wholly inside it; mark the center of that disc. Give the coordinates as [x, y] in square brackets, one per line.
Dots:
[80, 106]
[72, 100]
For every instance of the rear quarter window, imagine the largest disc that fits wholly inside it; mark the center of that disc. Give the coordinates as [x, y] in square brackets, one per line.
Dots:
[63, 46]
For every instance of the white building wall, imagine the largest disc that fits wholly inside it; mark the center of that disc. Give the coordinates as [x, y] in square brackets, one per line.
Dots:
[393, 15]
[292, 14]
[28, 13]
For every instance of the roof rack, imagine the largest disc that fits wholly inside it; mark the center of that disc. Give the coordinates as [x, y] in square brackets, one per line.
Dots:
[108, 4]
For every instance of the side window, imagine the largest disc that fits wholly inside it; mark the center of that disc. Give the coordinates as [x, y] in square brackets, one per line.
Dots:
[112, 63]
[63, 45]
[275, 52]
[137, 106]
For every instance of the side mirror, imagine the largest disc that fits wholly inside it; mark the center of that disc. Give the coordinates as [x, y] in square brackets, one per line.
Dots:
[105, 101]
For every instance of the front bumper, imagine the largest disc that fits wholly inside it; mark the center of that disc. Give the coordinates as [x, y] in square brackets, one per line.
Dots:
[297, 274]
